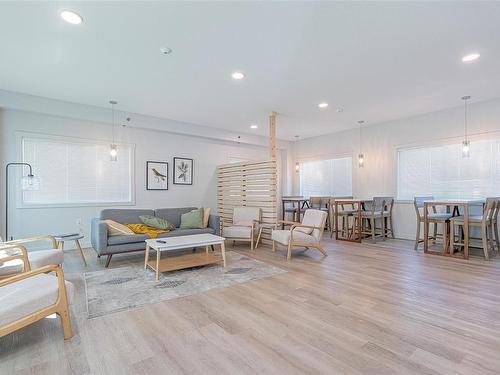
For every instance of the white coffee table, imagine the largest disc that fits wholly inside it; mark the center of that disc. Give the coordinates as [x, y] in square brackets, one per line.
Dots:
[182, 261]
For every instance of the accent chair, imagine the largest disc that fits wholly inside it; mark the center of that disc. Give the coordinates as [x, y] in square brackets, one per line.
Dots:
[243, 226]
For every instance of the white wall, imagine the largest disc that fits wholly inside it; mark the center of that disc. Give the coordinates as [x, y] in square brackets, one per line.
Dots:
[381, 141]
[149, 145]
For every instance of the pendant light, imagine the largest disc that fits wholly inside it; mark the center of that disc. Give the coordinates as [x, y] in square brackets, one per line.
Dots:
[113, 150]
[466, 141]
[361, 157]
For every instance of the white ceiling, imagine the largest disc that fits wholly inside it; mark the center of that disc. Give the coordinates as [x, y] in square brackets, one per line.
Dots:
[377, 60]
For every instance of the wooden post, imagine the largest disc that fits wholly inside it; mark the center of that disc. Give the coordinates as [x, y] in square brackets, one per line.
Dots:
[272, 135]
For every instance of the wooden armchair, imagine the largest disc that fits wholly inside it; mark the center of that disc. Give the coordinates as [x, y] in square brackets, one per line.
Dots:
[306, 234]
[243, 226]
[31, 296]
[36, 259]
[13, 259]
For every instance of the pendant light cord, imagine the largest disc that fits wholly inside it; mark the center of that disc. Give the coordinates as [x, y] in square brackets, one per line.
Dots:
[465, 118]
[113, 123]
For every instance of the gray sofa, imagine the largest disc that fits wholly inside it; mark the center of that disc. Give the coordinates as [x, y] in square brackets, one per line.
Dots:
[109, 245]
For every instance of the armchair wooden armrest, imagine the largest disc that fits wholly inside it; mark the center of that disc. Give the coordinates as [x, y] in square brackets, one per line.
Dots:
[287, 222]
[299, 225]
[25, 275]
[23, 256]
[47, 237]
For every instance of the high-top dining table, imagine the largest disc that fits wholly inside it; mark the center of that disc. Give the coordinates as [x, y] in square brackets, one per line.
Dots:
[360, 206]
[303, 202]
[452, 205]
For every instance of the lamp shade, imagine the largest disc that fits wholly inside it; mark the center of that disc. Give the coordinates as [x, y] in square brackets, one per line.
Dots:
[30, 182]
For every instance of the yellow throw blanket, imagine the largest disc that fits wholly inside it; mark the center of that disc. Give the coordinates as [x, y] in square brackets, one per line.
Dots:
[146, 229]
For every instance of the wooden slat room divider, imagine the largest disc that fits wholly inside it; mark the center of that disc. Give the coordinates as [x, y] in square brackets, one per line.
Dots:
[251, 184]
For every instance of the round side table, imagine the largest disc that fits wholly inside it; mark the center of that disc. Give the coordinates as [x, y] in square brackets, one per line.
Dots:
[76, 238]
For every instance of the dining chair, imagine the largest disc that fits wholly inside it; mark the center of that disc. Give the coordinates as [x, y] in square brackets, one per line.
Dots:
[306, 234]
[290, 207]
[433, 217]
[369, 218]
[387, 215]
[494, 224]
[346, 212]
[322, 204]
[484, 222]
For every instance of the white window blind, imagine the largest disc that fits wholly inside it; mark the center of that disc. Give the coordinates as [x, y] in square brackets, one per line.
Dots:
[77, 172]
[441, 171]
[331, 177]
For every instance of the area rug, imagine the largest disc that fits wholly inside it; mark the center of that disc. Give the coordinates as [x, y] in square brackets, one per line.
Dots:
[120, 289]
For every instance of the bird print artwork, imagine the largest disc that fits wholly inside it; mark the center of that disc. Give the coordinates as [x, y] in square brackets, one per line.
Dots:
[158, 175]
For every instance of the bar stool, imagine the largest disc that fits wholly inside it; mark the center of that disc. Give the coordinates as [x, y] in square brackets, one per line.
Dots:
[370, 217]
[387, 215]
[433, 218]
[484, 221]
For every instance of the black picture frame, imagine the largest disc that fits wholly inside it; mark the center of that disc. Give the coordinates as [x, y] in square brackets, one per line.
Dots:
[188, 174]
[157, 180]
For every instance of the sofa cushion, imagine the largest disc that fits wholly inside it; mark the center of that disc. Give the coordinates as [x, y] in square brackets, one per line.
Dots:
[24, 297]
[125, 215]
[186, 232]
[157, 222]
[118, 240]
[192, 220]
[117, 229]
[172, 215]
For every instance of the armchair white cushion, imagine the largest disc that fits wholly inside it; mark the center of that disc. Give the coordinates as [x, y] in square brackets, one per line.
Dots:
[20, 299]
[306, 234]
[243, 224]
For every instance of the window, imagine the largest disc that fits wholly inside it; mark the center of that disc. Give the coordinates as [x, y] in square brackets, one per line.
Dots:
[77, 172]
[331, 177]
[441, 171]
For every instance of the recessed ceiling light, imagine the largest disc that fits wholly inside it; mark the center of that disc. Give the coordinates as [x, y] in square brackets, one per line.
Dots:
[470, 57]
[71, 17]
[323, 105]
[254, 126]
[166, 50]
[238, 75]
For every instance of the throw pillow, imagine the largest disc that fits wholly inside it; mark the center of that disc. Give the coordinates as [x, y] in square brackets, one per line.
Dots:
[192, 220]
[157, 222]
[206, 215]
[117, 229]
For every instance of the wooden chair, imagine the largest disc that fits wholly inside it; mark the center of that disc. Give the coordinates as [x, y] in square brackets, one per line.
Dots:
[387, 216]
[36, 259]
[346, 212]
[484, 222]
[331, 213]
[290, 207]
[433, 217]
[370, 217]
[323, 204]
[306, 234]
[31, 296]
[243, 226]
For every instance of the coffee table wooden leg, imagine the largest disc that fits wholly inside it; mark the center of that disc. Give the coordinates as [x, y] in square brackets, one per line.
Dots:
[158, 253]
[146, 257]
[223, 251]
[81, 252]
[62, 245]
[206, 249]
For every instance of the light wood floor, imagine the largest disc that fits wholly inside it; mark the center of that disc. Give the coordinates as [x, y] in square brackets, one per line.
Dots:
[371, 309]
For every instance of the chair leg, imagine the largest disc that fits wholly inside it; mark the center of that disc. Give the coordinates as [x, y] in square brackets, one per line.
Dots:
[251, 242]
[108, 260]
[258, 238]
[320, 248]
[497, 239]
[289, 253]
[372, 223]
[392, 228]
[384, 228]
[65, 323]
[435, 232]
[274, 245]
[485, 243]
[417, 237]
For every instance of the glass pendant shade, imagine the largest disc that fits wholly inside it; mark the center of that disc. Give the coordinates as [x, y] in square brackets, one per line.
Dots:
[361, 160]
[113, 153]
[30, 182]
[466, 149]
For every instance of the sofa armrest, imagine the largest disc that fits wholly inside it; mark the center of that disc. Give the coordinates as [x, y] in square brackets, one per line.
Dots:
[99, 235]
[214, 223]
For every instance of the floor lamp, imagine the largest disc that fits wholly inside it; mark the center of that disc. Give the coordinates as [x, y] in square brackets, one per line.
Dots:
[29, 182]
